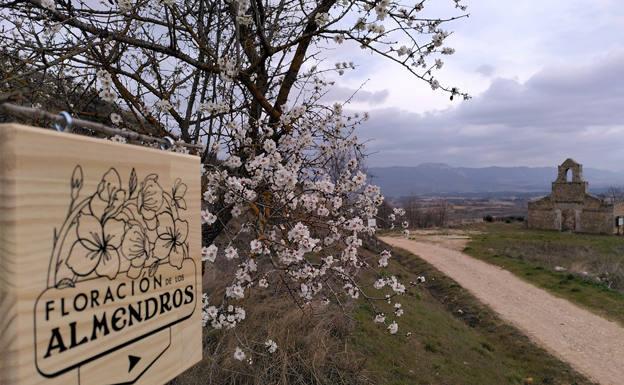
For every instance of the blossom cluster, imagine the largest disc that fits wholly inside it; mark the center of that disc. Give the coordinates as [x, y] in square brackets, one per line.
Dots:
[226, 319]
[106, 86]
[294, 210]
[228, 68]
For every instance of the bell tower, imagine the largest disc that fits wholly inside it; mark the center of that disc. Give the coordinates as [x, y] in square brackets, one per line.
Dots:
[569, 186]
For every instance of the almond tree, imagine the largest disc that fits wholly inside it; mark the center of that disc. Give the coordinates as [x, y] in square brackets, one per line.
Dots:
[246, 79]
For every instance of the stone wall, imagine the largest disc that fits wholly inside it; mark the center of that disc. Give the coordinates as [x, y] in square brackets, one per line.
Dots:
[597, 221]
[542, 215]
[569, 192]
[597, 216]
[618, 209]
[543, 219]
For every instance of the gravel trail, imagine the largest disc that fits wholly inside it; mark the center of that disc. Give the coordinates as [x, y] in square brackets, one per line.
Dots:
[591, 344]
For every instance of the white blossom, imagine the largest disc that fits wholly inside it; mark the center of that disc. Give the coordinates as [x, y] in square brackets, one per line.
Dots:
[124, 5]
[163, 105]
[321, 19]
[379, 284]
[118, 139]
[115, 118]
[207, 217]
[228, 67]
[403, 50]
[383, 258]
[233, 162]
[231, 253]
[48, 4]
[209, 253]
[106, 86]
[271, 346]
[239, 354]
[438, 39]
[398, 310]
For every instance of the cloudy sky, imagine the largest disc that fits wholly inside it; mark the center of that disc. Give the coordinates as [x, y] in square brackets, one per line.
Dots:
[547, 80]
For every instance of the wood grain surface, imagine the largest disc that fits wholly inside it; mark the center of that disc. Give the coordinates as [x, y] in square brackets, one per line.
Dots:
[100, 268]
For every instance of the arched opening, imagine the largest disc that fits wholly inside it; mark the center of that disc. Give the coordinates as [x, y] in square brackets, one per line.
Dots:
[568, 175]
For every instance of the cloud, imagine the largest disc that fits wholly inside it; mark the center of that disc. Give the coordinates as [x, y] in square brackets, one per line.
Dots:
[561, 111]
[341, 94]
[516, 39]
[486, 70]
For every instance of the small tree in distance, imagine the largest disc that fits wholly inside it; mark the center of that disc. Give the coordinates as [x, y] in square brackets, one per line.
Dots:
[615, 194]
[244, 78]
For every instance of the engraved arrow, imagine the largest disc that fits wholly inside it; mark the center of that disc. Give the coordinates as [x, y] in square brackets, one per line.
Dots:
[132, 360]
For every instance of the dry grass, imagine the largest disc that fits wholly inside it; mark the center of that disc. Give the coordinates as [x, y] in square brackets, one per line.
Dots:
[312, 349]
[312, 341]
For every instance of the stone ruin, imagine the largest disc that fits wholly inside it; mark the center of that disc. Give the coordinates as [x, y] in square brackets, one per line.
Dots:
[570, 207]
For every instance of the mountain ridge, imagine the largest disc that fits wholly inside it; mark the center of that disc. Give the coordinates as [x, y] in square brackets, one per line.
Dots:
[441, 178]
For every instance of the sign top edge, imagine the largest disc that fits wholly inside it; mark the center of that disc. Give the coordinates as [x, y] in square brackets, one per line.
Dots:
[17, 127]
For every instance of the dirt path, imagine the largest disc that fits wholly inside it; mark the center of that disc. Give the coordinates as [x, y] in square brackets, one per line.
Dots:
[591, 344]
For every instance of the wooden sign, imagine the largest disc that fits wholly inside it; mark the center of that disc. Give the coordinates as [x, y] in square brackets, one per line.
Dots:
[100, 274]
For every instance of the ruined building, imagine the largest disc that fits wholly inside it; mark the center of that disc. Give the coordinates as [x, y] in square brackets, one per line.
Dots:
[570, 208]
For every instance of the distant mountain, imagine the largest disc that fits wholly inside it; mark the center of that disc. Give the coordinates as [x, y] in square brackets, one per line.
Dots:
[442, 179]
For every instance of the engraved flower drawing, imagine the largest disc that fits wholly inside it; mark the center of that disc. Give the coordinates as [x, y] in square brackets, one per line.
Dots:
[97, 247]
[121, 229]
[171, 242]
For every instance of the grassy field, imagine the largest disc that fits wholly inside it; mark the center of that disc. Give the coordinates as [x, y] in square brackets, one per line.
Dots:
[585, 269]
[453, 339]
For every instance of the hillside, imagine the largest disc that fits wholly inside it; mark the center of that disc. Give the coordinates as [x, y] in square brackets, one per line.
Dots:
[439, 178]
[446, 336]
